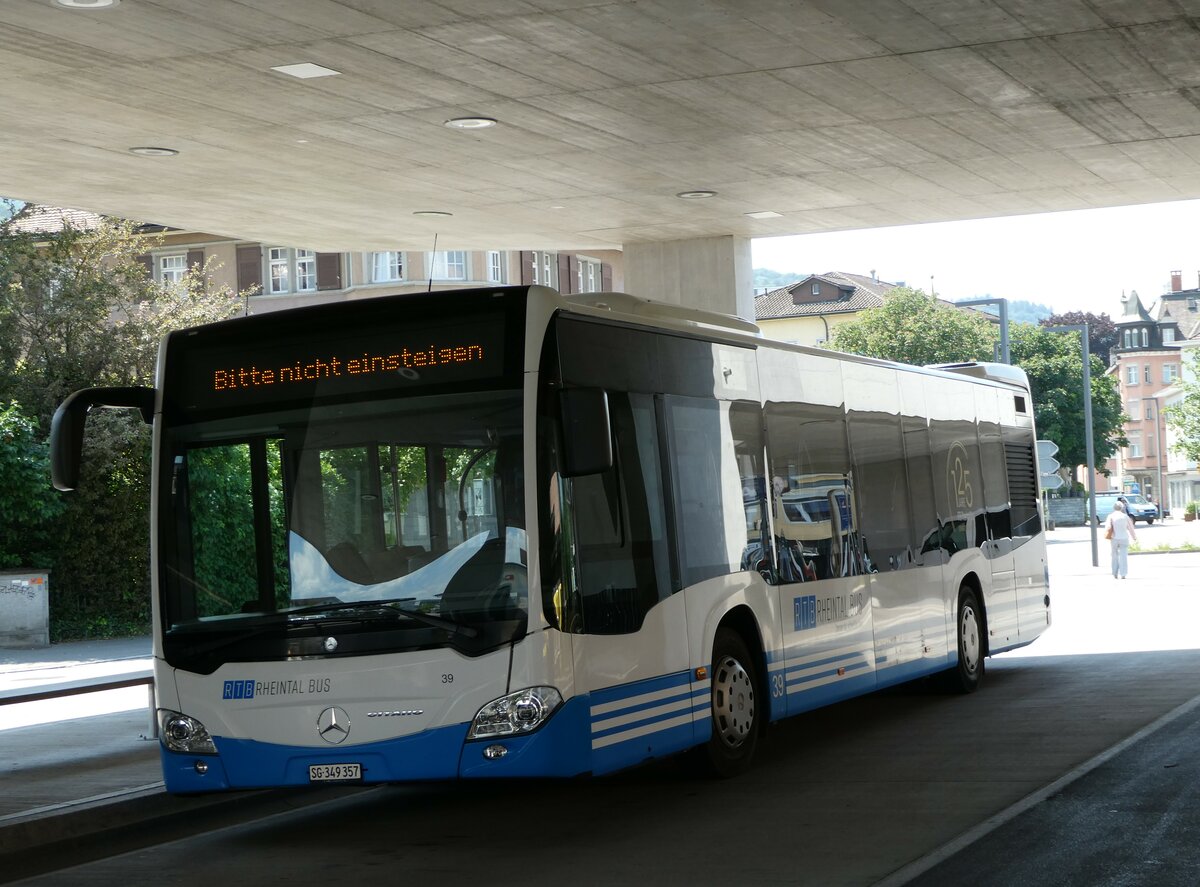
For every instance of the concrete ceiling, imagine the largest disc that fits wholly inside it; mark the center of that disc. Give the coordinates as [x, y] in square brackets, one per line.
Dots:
[834, 113]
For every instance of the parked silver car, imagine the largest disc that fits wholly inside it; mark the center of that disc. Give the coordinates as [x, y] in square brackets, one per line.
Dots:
[1137, 507]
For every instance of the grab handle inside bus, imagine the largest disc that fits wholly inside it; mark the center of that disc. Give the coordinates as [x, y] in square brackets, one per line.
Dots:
[587, 433]
[66, 428]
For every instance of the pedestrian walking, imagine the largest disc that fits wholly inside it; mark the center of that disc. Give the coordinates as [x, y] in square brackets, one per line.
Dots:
[1118, 530]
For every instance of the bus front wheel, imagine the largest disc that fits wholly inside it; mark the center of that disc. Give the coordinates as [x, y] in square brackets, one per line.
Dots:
[967, 674]
[736, 712]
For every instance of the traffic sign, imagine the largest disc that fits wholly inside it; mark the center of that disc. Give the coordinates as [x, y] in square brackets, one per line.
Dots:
[1050, 481]
[1047, 450]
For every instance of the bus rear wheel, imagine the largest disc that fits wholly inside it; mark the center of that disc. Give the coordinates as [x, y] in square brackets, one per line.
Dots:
[735, 710]
[967, 674]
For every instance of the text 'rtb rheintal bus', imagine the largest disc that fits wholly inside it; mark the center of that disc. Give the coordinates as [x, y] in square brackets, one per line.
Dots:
[503, 532]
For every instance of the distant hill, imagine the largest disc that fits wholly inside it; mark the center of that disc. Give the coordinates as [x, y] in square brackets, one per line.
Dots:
[765, 278]
[1019, 310]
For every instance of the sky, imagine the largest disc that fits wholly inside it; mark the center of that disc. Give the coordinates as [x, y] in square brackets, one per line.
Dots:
[1072, 261]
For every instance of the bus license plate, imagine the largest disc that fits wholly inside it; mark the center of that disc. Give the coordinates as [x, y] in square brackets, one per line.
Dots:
[334, 772]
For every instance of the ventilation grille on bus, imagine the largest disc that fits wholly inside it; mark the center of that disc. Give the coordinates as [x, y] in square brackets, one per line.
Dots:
[1022, 477]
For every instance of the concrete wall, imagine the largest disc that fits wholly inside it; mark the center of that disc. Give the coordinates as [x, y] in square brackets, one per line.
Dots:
[24, 609]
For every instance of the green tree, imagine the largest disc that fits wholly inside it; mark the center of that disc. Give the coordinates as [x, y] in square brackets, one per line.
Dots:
[26, 539]
[1184, 417]
[1102, 330]
[910, 327]
[1054, 364]
[77, 309]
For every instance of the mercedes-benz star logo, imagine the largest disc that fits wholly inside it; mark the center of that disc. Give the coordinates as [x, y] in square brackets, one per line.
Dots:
[333, 725]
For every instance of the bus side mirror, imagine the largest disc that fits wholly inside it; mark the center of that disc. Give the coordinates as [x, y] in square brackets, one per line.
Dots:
[66, 428]
[587, 433]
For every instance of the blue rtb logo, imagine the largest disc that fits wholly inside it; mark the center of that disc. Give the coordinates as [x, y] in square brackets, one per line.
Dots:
[806, 612]
[238, 690]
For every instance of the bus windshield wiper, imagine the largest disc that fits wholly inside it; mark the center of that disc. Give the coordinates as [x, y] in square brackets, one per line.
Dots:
[382, 608]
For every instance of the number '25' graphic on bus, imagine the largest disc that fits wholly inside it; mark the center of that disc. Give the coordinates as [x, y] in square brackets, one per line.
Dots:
[958, 476]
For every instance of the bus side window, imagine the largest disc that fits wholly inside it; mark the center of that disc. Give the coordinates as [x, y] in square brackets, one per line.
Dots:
[881, 479]
[620, 525]
[716, 461]
[812, 502]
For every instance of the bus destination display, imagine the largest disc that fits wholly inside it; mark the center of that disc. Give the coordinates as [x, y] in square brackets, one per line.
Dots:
[412, 356]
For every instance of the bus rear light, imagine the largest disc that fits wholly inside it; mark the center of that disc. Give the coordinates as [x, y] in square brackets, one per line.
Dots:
[184, 734]
[515, 714]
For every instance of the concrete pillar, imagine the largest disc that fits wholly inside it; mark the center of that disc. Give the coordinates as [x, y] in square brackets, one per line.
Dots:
[713, 273]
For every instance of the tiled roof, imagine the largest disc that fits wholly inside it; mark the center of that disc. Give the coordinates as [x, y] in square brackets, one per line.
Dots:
[34, 219]
[863, 292]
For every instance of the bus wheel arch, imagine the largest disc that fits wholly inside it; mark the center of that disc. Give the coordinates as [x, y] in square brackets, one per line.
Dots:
[738, 701]
[970, 637]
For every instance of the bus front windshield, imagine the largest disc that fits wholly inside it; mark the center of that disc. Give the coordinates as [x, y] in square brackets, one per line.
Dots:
[403, 512]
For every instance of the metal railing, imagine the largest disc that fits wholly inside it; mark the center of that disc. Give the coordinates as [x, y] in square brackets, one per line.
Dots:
[62, 689]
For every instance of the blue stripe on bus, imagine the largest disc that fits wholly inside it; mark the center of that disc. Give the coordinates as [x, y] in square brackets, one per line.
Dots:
[655, 735]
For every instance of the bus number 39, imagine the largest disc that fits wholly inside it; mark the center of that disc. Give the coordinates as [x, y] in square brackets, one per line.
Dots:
[447, 679]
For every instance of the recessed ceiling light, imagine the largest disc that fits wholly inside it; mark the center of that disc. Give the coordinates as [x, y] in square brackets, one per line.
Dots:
[85, 4]
[305, 70]
[150, 151]
[700, 194]
[432, 213]
[765, 214]
[470, 123]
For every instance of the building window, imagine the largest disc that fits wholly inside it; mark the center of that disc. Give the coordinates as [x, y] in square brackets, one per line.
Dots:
[588, 272]
[1147, 375]
[545, 269]
[1134, 409]
[291, 270]
[1145, 337]
[172, 268]
[495, 266]
[387, 267]
[448, 265]
[1170, 373]
[1127, 338]
[1168, 334]
[816, 289]
[306, 270]
[1135, 445]
[1131, 375]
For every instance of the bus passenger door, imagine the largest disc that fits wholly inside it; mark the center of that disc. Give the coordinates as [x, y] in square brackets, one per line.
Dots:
[630, 646]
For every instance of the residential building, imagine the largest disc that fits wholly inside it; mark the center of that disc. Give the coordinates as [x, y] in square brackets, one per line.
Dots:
[807, 312]
[282, 276]
[1146, 360]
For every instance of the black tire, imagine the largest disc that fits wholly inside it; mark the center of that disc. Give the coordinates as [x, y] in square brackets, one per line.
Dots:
[735, 708]
[1149, 521]
[967, 674]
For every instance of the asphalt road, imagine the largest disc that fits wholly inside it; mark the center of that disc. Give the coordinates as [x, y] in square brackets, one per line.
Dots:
[1074, 765]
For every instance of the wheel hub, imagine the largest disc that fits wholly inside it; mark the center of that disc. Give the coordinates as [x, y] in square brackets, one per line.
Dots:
[733, 702]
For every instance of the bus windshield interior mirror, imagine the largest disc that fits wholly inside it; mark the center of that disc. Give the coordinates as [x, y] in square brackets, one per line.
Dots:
[587, 434]
[66, 428]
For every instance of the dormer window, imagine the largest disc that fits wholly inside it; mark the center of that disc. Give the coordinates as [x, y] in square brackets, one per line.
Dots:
[1127, 339]
[1168, 334]
[1145, 338]
[816, 289]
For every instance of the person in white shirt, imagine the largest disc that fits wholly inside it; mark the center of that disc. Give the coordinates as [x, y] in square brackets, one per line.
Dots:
[1118, 529]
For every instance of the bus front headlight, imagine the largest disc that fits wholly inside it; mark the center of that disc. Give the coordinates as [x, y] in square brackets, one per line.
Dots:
[515, 714]
[184, 734]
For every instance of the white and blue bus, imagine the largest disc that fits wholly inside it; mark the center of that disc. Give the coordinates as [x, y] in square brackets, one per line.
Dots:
[508, 533]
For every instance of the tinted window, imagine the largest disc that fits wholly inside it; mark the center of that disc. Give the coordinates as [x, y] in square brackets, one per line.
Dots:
[716, 457]
[816, 533]
[881, 483]
[620, 526]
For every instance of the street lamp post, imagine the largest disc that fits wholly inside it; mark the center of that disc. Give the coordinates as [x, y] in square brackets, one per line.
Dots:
[1003, 303]
[1082, 329]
